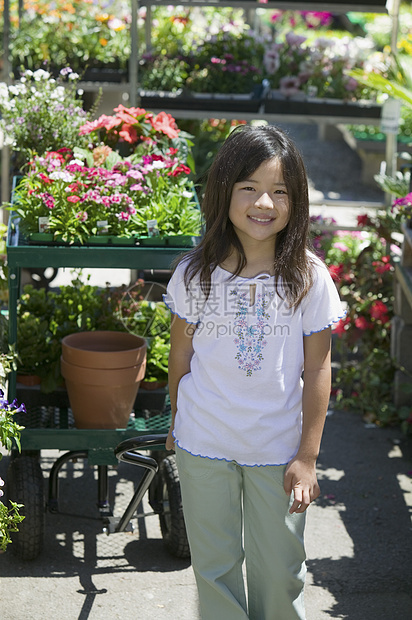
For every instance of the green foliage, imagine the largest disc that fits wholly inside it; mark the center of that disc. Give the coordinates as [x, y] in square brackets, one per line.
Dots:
[363, 271]
[157, 358]
[9, 436]
[45, 318]
[9, 520]
[394, 87]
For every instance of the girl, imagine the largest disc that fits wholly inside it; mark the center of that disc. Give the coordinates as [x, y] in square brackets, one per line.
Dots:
[252, 309]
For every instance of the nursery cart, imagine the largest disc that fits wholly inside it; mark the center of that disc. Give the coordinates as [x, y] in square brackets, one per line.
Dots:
[49, 425]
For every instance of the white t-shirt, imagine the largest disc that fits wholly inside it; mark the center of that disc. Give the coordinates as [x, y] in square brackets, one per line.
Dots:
[242, 399]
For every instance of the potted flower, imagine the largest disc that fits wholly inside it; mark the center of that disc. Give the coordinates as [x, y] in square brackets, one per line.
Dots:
[310, 77]
[93, 41]
[223, 72]
[40, 113]
[95, 195]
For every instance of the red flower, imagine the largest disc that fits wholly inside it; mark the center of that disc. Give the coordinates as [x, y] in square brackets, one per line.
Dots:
[54, 155]
[362, 323]
[336, 271]
[73, 198]
[340, 328]
[382, 265]
[178, 170]
[363, 220]
[379, 311]
[45, 178]
[166, 124]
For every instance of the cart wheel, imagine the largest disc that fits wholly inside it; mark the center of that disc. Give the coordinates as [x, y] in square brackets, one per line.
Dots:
[25, 486]
[171, 519]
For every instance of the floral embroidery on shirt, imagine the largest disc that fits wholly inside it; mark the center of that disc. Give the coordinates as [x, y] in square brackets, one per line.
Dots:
[250, 338]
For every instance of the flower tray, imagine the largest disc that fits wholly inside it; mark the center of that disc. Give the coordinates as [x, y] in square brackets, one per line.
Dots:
[104, 75]
[178, 241]
[311, 106]
[214, 102]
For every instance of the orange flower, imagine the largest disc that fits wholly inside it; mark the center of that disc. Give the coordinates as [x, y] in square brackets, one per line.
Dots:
[103, 42]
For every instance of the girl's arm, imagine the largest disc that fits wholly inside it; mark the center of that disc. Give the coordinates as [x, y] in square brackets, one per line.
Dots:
[300, 475]
[181, 351]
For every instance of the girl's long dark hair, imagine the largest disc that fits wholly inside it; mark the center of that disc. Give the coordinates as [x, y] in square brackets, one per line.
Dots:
[246, 148]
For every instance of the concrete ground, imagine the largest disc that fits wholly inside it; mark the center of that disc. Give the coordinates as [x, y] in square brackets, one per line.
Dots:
[358, 539]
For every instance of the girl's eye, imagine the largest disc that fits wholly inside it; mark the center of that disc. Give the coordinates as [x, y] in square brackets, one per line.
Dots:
[248, 188]
[280, 191]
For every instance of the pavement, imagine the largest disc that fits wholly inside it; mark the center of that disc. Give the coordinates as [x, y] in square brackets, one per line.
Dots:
[358, 540]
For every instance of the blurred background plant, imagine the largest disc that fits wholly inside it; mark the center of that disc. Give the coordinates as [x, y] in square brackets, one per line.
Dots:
[81, 34]
[10, 517]
[362, 267]
[41, 113]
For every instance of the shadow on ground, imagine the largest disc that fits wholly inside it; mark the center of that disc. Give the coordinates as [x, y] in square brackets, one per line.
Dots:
[374, 579]
[74, 542]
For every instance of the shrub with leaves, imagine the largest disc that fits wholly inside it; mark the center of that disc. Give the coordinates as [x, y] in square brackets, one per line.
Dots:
[362, 268]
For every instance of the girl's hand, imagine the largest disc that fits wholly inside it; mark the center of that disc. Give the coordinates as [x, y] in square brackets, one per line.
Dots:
[170, 441]
[300, 477]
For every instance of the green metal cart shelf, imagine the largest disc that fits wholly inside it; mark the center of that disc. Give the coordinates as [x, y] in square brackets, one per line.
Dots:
[49, 425]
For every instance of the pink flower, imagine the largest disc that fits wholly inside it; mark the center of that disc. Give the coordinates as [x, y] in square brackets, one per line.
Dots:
[73, 198]
[48, 200]
[341, 246]
[289, 86]
[403, 202]
[82, 216]
[128, 133]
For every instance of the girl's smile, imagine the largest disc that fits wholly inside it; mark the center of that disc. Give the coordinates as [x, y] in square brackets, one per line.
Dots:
[259, 206]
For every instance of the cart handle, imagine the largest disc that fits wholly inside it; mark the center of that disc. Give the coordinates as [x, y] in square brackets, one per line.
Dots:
[125, 452]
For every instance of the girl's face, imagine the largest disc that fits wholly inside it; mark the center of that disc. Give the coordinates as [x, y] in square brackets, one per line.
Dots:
[259, 205]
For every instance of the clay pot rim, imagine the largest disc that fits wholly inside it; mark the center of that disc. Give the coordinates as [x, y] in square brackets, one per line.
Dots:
[70, 340]
[102, 376]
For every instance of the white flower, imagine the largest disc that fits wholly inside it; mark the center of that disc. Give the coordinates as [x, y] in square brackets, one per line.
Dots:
[78, 162]
[187, 194]
[158, 165]
[40, 74]
[58, 93]
[61, 175]
[73, 76]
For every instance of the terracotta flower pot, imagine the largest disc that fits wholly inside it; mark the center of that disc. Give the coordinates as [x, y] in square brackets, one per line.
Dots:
[103, 371]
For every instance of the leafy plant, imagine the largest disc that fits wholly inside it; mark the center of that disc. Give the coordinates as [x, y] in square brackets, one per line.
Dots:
[9, 436]
[157, 359]
[363, 271]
